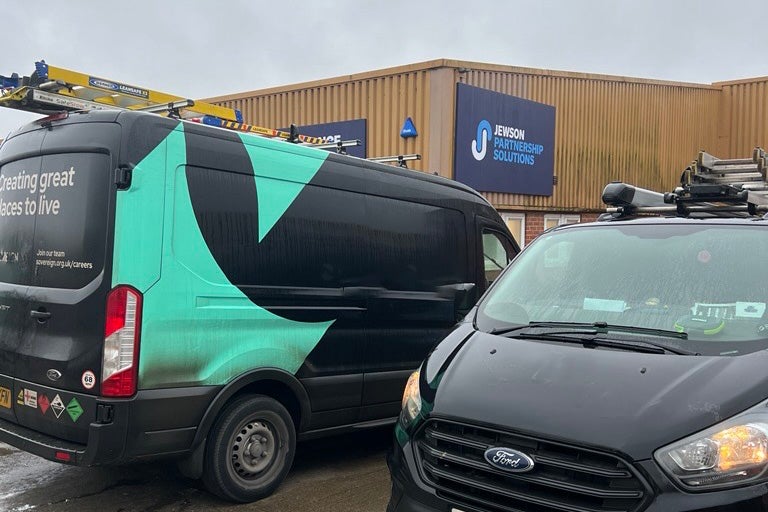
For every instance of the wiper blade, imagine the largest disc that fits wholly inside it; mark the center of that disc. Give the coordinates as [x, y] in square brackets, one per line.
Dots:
[594, 342]
[601, 328]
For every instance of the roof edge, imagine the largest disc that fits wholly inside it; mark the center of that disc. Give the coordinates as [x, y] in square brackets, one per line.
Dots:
[741, 81]
[469, 66]
[378, 73]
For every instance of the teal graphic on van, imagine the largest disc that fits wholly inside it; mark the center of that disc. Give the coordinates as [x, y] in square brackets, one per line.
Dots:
[198, 328]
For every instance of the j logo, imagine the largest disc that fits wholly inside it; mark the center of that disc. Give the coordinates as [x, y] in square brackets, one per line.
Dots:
[480, 144]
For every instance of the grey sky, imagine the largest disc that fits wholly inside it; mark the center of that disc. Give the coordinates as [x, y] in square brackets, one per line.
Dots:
[201, 48]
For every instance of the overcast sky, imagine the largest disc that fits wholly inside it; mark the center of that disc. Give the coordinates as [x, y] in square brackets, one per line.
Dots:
[201, 48]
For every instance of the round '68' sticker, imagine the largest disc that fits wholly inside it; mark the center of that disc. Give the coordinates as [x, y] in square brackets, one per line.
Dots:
[88, 379]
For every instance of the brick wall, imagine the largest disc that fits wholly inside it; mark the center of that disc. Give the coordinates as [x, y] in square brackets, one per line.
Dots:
[534, 222]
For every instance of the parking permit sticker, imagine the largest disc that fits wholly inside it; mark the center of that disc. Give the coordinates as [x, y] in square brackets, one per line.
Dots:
[57, 406]
[5, 397]
[88, 379]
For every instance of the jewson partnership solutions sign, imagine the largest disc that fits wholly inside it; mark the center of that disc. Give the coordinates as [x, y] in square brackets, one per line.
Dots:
[503, 143]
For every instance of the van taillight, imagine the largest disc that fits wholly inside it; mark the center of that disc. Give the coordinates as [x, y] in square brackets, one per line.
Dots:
[121, 342]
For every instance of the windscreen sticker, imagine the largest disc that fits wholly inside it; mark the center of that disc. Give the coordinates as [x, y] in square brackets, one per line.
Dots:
[57, 406]
[750, 309]
[44, 403]
[607, 305]
[30, 398]
[20, 398]
[74, 410]
[711, 310]
[5, 397]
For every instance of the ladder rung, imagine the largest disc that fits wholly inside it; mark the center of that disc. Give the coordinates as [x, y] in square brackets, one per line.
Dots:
[751, 166]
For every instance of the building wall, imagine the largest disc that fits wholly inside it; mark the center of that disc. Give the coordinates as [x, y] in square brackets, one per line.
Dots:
[607, 127]
[385, 99]
[743, 117]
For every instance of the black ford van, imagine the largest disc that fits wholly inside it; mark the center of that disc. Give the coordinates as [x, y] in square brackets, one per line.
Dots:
[173, 289]
[620, 365]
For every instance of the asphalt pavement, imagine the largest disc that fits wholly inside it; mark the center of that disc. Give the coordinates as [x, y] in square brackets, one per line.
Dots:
[342, 473]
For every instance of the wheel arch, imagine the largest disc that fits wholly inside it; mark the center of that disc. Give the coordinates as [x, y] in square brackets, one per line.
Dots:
[272, 382]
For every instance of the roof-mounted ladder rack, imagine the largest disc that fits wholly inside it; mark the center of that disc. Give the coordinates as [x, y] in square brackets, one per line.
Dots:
[709, 186]
[399, 159]
[51, 90]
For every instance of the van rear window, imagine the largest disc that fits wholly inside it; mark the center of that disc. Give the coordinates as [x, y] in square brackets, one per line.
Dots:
[53, 219]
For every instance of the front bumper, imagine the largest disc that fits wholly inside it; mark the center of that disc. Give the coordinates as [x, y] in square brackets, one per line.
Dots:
[411, 494]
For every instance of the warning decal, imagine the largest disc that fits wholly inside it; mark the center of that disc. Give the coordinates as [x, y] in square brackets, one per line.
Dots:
[57, 406]
[73, 409]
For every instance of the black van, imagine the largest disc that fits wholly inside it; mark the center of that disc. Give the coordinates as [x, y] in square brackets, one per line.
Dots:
[620, 365]
[173, 289]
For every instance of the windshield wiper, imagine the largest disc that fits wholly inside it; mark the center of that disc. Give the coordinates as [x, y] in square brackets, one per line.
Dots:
[595, 328]
[594, 342]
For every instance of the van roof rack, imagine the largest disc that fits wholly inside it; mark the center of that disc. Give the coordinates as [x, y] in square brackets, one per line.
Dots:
[709, 187]
[51, 90]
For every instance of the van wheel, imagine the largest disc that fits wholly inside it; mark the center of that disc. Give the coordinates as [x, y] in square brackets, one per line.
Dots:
[250, 449]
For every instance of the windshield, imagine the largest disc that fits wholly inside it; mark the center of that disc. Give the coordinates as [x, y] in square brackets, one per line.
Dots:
[709, 281]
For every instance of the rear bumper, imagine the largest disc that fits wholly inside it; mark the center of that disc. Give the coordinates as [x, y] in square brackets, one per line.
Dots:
[154, 423]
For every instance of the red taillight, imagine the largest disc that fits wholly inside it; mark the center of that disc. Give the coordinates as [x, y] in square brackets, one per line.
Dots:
[121, 342]
[63, 456]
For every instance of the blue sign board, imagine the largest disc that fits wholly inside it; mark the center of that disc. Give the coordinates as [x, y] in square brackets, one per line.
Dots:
[503, 143]
[339, 131]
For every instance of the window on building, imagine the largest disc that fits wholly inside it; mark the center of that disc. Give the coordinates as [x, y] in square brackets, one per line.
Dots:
[516, 224]
[550, 221]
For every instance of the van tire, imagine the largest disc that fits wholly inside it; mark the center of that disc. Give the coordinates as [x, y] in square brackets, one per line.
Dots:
[250, 449]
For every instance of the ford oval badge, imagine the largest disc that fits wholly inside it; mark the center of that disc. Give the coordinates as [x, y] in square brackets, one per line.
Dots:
[54, 375]
[507, 459]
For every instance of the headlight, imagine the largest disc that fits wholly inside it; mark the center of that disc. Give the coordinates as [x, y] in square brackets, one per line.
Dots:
[732, 453]
[411, 399]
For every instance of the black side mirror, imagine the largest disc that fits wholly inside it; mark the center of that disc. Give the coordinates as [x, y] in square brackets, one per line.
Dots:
[464, 295]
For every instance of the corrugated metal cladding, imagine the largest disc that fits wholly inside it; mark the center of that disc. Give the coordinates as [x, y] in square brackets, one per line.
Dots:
[743, 116]
[607, 128]
[384, 100]
[637, 131]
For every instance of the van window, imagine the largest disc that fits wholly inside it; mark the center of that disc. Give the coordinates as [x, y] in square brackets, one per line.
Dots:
[71, 224]
[707, 281]
[494, 255]
[53, 219]
[17, 229]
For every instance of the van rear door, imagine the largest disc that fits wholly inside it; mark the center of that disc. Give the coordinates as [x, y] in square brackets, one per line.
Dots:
[53, 287]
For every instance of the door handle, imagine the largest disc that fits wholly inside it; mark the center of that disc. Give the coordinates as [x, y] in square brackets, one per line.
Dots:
[41, 316]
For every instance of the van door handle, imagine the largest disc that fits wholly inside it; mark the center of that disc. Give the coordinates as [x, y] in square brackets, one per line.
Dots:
[41, 316]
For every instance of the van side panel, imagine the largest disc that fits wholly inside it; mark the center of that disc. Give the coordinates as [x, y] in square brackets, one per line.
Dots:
[198, 328]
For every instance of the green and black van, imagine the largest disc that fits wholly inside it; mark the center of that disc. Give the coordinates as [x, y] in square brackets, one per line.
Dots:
[173, 289]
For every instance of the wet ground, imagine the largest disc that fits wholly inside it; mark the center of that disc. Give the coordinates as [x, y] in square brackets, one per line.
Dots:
[339, 474]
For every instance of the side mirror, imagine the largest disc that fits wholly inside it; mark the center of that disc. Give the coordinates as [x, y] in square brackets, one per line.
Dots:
[464, 295]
